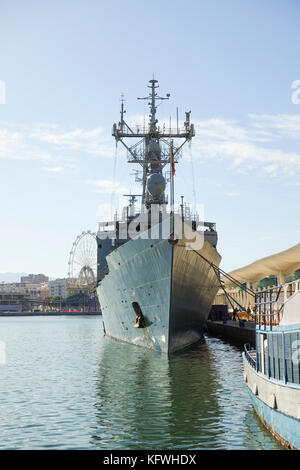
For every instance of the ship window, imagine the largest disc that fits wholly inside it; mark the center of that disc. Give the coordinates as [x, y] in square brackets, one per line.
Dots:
[139, 320]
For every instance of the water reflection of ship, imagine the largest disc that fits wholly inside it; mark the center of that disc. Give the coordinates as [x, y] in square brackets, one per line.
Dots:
[256, 436]
[145, 397]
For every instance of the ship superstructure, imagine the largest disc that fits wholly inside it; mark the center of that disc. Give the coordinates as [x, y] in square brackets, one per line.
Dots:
[154, 289]
[154, 148]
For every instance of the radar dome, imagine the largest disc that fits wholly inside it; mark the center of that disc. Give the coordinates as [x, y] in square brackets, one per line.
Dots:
[156, 184]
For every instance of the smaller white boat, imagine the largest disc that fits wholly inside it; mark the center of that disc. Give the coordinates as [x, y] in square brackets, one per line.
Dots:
[272, 371]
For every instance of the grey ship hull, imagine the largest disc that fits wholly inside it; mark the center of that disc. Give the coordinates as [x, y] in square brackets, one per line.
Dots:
[173, 286]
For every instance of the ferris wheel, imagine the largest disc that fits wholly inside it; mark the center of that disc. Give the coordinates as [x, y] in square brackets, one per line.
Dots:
[83, 261]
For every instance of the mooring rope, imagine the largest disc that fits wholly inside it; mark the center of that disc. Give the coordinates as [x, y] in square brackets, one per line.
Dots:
[218, 272]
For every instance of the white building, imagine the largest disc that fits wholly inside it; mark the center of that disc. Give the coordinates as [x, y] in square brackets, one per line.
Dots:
[33, 290]
[58, 287]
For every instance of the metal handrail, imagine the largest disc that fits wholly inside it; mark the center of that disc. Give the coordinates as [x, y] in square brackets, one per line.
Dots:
[249, 357]
[162, 130]
[269, 303]
[267, 311]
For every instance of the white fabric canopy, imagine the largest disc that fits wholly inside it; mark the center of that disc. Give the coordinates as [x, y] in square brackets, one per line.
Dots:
[285, 262]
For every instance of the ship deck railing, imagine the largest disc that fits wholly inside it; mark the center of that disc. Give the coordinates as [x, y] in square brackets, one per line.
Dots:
[282, 368]
[269, 303]
[125, 226]
[250, 356]
[161, 131]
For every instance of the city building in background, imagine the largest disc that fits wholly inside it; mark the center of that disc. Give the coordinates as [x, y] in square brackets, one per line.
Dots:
[35, 279]
[14, 302]
[33, 290]
[58, 287]
[23, 295]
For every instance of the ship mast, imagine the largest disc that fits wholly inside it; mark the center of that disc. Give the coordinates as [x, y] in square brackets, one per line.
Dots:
[154, 148]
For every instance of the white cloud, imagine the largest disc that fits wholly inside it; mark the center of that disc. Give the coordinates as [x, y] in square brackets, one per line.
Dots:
[246, 146]
[15, 146]
[224, 130]
[271, 169]
[56, 169]
[48, 142]
[231, 193]
[106, 186]
[92, 141]
[278, 125]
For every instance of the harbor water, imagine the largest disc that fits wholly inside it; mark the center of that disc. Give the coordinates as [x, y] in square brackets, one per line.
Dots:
[66, 386]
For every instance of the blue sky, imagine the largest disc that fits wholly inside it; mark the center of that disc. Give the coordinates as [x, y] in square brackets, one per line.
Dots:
[65, 64]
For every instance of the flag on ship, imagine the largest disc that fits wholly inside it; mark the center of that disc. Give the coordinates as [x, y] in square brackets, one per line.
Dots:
[172, 162]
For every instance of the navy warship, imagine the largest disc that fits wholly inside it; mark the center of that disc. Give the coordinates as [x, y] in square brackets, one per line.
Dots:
[155, 281]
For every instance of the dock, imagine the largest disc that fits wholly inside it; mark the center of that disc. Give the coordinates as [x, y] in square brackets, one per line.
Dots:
[239, 332]
[46, 314]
